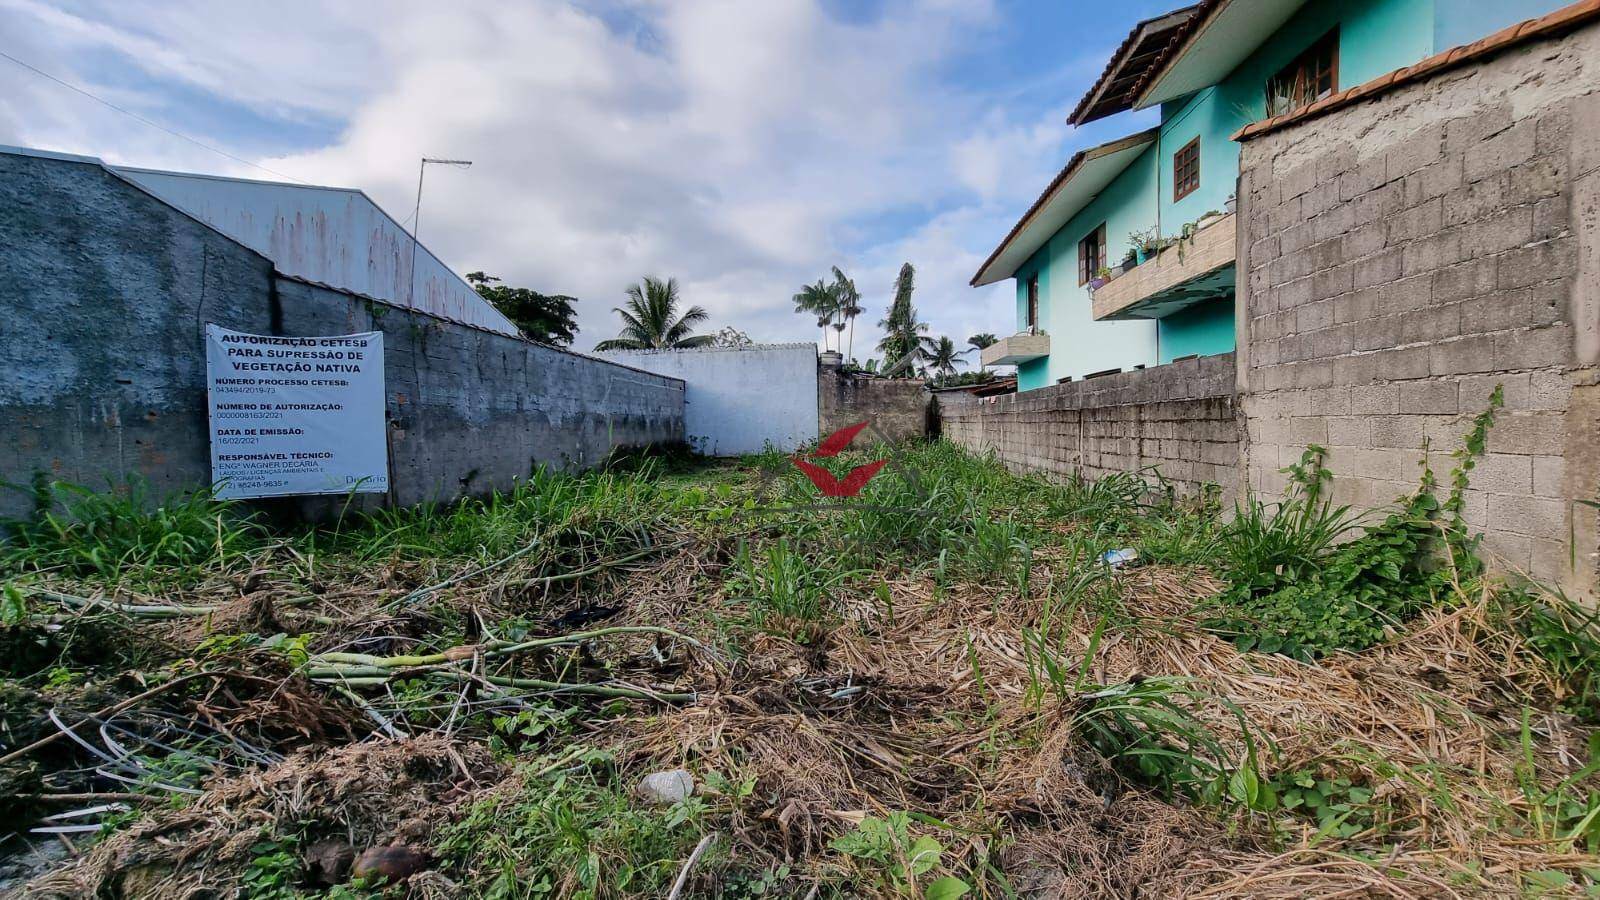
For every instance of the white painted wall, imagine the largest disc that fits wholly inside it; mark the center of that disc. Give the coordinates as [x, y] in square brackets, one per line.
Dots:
[740, 400]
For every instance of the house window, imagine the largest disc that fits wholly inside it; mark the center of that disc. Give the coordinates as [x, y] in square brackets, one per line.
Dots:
[1186, 170]
[1309, 77]
[1033, 301]
[1091, 254]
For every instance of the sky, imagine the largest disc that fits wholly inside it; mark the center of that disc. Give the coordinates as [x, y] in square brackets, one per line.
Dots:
[740, 146]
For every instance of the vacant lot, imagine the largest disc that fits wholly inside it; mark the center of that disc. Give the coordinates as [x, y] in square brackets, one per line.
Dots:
[934, 689]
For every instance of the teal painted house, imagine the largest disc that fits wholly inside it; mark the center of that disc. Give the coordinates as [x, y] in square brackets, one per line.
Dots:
[1126, 260]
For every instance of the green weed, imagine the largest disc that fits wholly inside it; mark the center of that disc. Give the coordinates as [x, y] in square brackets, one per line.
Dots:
[898, 860]
[785, 590]
[1568, 814]
[1341, 807]
[1349, 600]
[1109, 505]
[1567, 637]
[1295, 590]
[571, 833]
[1151, 733]
[273, 872]
[995, 548]
[1269, 545]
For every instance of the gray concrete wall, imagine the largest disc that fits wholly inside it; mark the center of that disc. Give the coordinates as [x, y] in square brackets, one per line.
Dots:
[740, 399]
[1401, 257]
[1179, 419]
[104, 295]
[898, 407]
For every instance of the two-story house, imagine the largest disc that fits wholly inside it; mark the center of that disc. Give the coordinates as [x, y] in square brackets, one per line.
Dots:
[1126, 260]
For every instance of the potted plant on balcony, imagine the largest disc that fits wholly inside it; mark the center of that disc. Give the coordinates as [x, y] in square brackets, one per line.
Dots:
[1231, 204]
[1100, 278]
[1130, 259]
[1212, 217]
[1146, 243]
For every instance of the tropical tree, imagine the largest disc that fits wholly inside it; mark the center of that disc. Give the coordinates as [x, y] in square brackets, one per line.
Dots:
[546, 318]
[979, 342]
[650, 319]
[730, 336]
[943, 357]
[904, 337]
[821, 300]
[849, 306]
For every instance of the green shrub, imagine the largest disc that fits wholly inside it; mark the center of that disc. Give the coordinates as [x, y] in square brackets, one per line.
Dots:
[1346, 598]
[1294, 590]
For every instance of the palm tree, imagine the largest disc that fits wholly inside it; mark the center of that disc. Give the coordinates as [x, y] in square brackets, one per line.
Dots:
[943, 357]
[650, 319]
[822, 301]
[849, 305]
[979, 342]
[904, 335]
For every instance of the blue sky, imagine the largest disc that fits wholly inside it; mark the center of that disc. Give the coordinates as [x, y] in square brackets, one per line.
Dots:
[741, 147]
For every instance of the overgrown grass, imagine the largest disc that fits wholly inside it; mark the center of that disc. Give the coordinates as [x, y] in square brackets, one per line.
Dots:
[1151, 731]
[123, 532]
[778, 558]
[1566, 636]
[572, 519]
[785, 591]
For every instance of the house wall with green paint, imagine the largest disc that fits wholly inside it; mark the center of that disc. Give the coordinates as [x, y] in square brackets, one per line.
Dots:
[1204, 329]
[1375, 37]
[1078, 344]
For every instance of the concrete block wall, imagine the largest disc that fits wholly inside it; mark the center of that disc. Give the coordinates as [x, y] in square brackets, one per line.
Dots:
[1179, 419]
[470, 409]
[898, 407]
[104, 296]
[1401, 257]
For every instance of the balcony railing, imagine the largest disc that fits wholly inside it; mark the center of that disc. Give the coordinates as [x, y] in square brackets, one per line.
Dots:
[1016, 349]
[1173, 279]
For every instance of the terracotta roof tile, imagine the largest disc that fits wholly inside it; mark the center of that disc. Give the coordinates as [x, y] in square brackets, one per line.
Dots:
[1550, 25]
[1180, 37]
[1088, 108]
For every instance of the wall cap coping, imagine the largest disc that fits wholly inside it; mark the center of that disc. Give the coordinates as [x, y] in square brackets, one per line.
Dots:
[1551, 25]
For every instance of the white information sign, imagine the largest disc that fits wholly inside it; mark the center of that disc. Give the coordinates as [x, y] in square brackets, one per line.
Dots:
[296, 415]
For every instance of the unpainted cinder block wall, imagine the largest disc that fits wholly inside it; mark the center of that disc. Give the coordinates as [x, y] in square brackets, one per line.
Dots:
[1178, 418]
[1401, 257]
[898, 408]
[105, 292]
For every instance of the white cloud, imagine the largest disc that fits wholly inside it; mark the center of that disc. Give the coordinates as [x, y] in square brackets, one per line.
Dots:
[738, 146]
